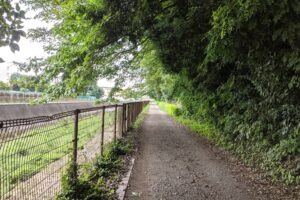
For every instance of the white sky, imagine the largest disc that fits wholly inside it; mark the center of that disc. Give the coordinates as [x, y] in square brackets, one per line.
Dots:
[28, 49]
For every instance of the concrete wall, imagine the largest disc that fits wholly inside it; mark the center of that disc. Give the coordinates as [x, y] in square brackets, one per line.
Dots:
[19, 111]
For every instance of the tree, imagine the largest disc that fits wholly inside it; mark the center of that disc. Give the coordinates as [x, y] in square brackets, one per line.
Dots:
[159, 84]
[21, 82]
[4, 86]
[11, 17]
[94, 90]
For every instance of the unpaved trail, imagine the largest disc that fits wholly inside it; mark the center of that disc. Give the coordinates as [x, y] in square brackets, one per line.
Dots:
[173, 164]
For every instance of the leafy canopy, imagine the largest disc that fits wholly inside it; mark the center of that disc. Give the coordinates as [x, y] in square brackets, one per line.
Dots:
[233, 63]
[11, 17]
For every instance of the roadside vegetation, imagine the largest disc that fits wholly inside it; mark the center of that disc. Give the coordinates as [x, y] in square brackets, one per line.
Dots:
[100, 178]
[252, 154]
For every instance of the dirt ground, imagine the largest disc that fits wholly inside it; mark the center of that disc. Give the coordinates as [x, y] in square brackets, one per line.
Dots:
[173, 163]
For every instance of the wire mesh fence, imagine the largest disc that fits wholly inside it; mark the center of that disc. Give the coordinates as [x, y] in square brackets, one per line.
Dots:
[35, 151]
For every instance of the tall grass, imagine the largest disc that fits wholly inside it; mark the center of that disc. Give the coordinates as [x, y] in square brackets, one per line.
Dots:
[200, 127]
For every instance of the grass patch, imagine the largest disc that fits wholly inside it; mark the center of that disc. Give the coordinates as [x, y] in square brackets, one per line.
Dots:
[140, 118]
[204, 128]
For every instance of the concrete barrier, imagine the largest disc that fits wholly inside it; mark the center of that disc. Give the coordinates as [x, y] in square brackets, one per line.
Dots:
[19, 111]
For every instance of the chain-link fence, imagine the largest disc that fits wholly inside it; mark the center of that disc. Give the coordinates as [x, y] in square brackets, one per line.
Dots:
[35, 151]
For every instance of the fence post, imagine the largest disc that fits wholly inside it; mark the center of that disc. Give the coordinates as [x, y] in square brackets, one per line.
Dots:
[102, 131]
[128, 117]
[134, 112]
[131, 115]
[122, 121]
[115, 128]
[75, 142]
[125, 119]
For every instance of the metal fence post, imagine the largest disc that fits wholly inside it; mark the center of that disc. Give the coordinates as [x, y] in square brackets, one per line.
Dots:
[134, 112]
[131, 114]
[128, 117]
[115, 128]
[102, 131]
[75, 142]
[122, 121]
[125, 119]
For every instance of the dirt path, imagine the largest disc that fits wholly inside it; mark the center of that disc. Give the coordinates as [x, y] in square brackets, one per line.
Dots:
[174, 164]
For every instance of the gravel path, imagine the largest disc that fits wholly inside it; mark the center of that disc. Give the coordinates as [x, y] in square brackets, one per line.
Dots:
[174, 164]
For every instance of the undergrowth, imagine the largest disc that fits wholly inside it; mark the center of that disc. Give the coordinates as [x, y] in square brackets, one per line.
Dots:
[141, 117]
[98, 180]
[255, 154]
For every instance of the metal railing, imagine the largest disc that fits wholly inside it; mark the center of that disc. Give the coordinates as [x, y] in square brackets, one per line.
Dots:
[35, 151]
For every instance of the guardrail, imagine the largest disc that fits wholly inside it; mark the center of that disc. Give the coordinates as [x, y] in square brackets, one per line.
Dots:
[35, 151]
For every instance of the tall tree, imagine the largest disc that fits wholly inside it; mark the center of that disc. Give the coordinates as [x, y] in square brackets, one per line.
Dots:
[21, 82]
[94, 90]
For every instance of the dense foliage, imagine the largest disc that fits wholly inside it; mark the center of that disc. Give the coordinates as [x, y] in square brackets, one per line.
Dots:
[11, 16]
[26, 83]
[233, 63]
[93, 90]
[4, 86]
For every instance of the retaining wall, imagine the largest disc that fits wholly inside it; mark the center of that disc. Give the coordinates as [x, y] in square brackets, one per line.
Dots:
[19, 111]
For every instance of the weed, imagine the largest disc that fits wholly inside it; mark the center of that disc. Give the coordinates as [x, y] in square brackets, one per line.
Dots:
[95, 180]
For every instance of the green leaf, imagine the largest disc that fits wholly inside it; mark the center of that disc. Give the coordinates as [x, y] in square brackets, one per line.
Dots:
[14, 47]
[136, 194]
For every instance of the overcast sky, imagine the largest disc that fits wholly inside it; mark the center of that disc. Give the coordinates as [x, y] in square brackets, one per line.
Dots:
[28, 49]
